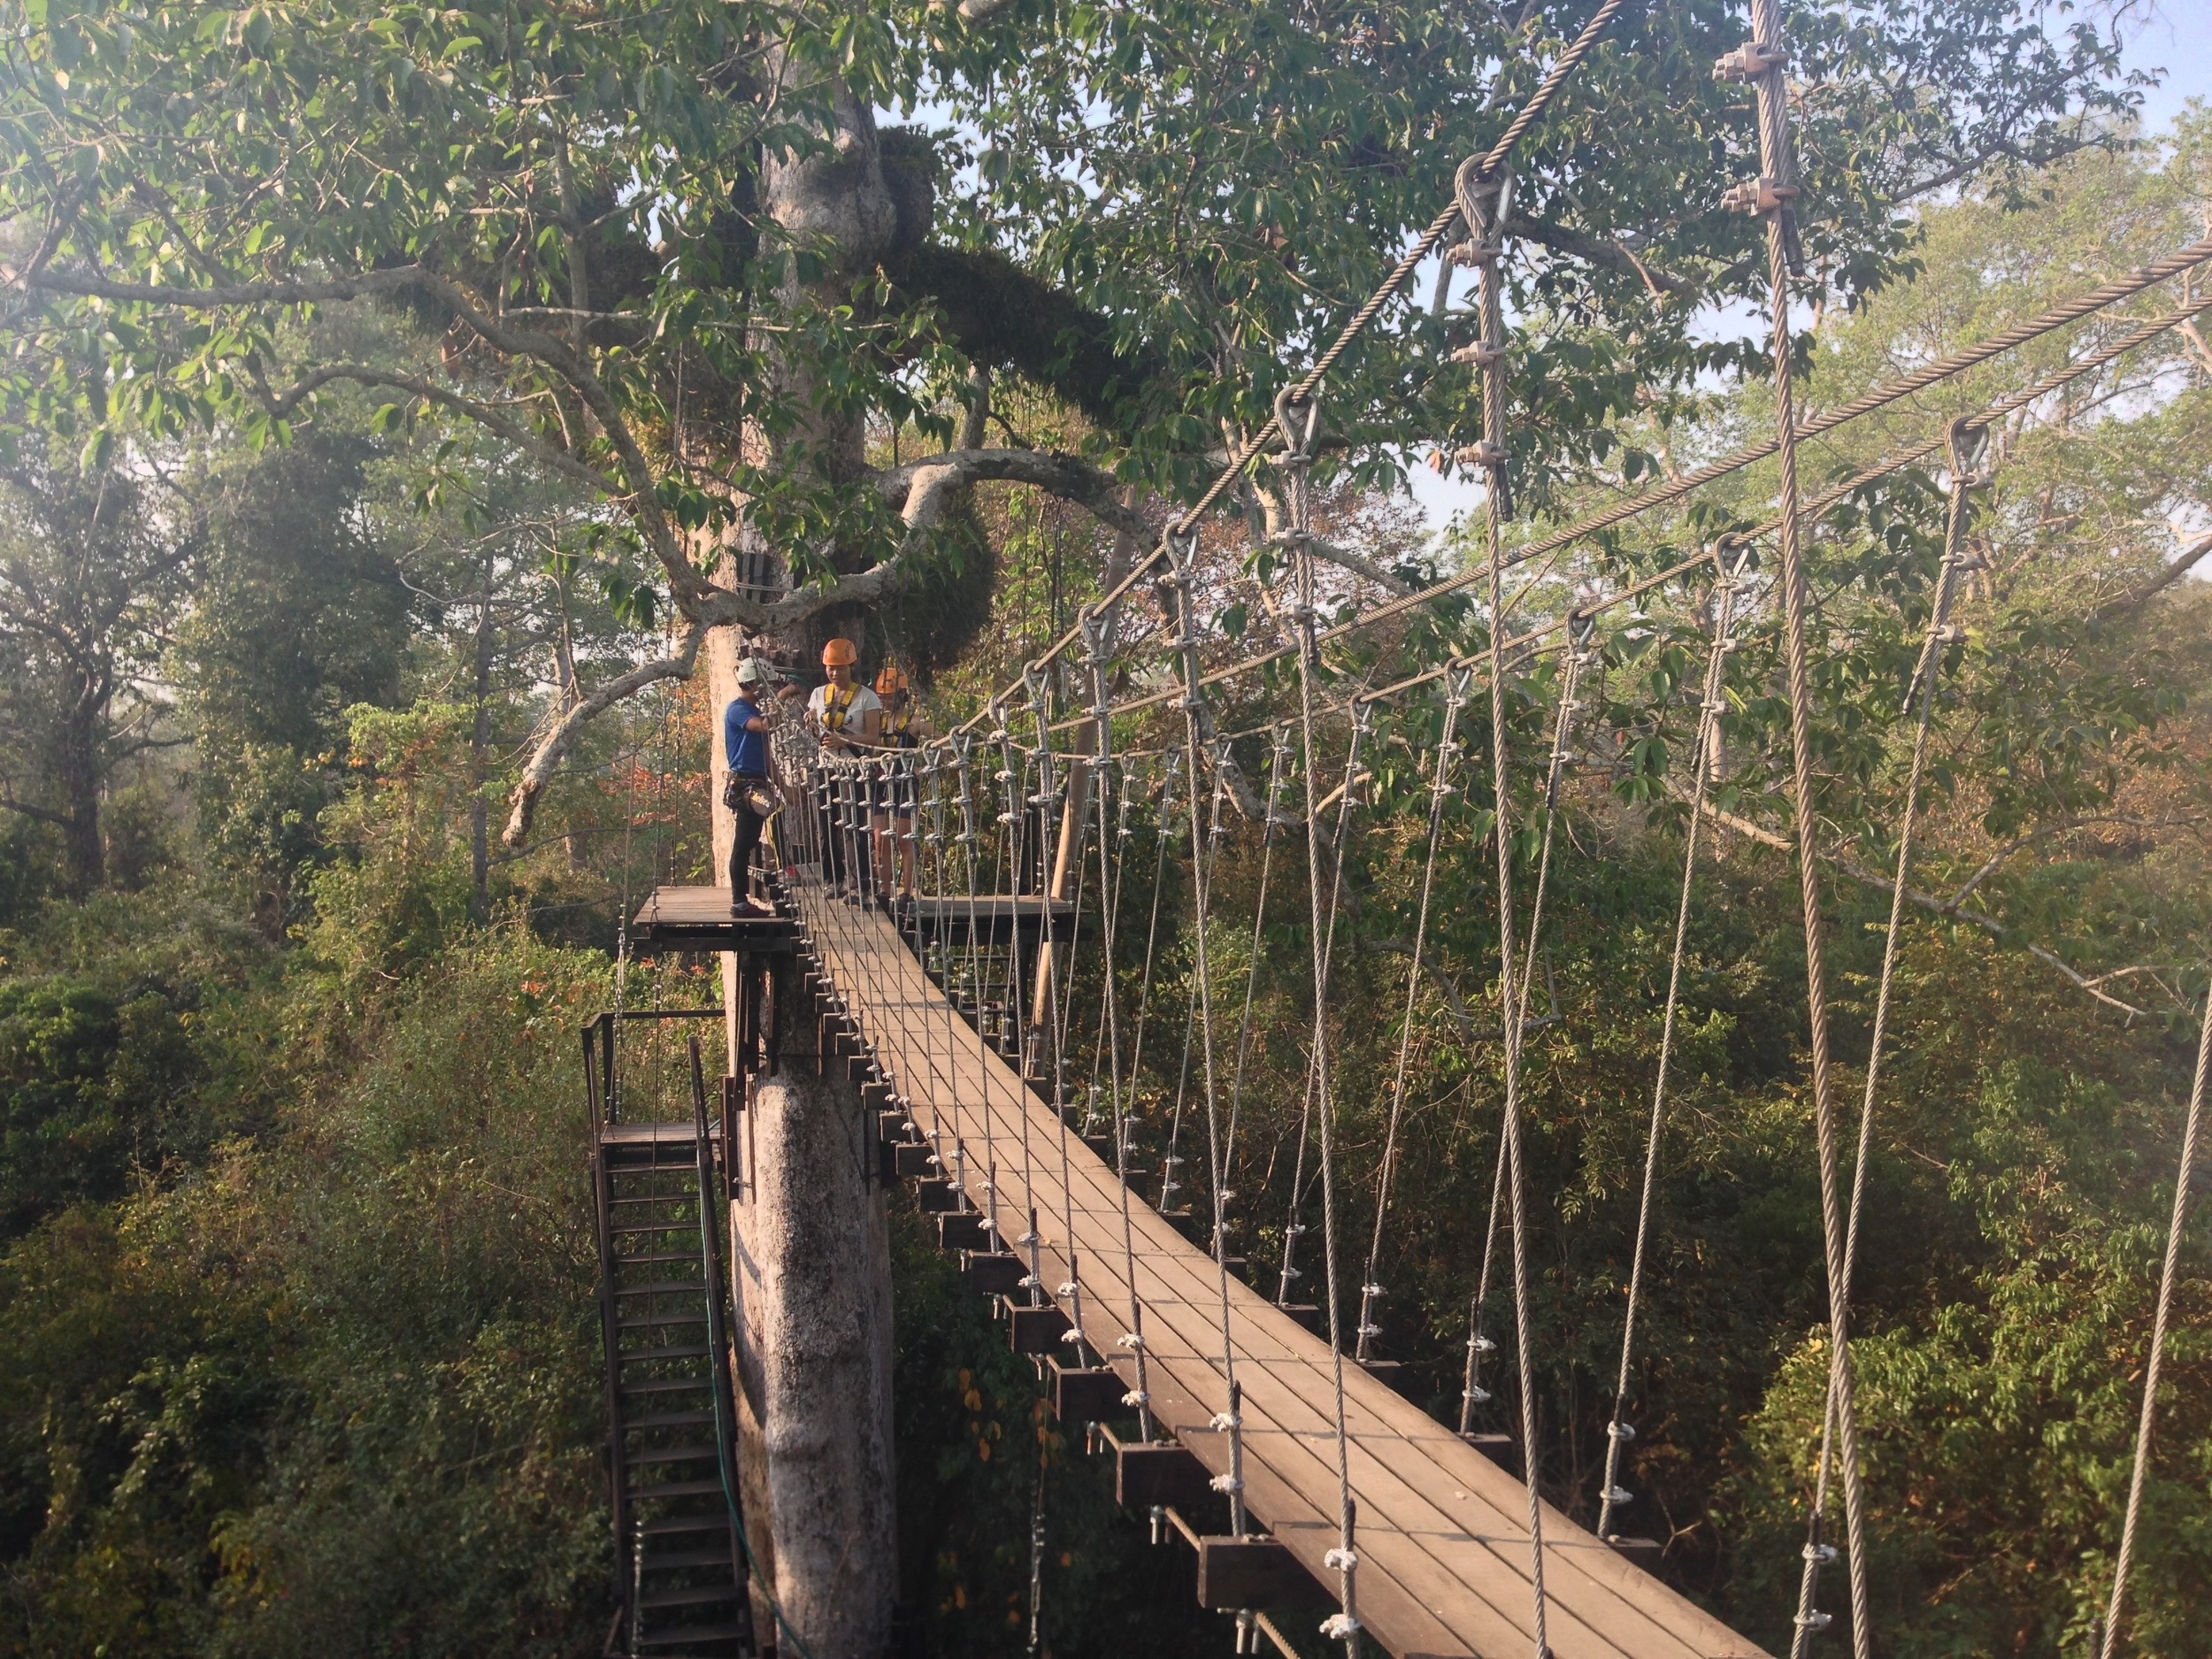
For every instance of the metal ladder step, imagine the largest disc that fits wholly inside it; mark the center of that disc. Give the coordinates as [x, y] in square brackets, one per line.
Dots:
[672, 1454]
[676, 1489]
[689, 1595]
[670, 1420]
[669, 1561]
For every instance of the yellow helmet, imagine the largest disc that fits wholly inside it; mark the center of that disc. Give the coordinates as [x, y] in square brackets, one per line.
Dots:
[840, 653]
[891, 681]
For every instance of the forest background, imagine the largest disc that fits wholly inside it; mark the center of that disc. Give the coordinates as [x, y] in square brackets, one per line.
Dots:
[297, 1344]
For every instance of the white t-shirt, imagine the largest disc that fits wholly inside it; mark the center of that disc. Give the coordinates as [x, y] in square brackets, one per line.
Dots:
[862, 702]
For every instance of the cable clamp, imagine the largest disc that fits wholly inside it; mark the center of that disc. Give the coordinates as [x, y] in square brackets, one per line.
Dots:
[1482, 454]
[1340, 1627]
[1130, 1339]
[1367, 1329]
[1372, 1290]
[1620, 1430]
[1482, 354]
[1295, 1273]
[1136, 1399]
[1300, 420]
[1226, 1483]
[1478, 1396]
[1819, 1554]
[1619, 1494]
[1072, 1335]
[1068, 1289]
[1224, 1423]
[1341, 1560]
[1482, 1345]
[1814, 1620]
[1468, 254]
[1748, 62]
[1760, 196]
[1950, 634]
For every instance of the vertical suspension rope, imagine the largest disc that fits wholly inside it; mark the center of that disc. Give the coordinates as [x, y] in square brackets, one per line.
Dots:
[1277, 757]
[1141, 1396]
[1618, 1431]
[1488, 224]
[1440, 791]
[1299, 423]
[2175, 1227]
[1180, 548]
[1766, 61]
[1965, 445]
[1295, 1229]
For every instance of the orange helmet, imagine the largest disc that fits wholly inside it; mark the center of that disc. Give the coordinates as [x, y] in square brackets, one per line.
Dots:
[890, 681]
[840, 653]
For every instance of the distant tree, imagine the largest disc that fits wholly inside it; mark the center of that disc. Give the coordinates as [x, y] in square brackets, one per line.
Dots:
[298, 614]
[93, 562]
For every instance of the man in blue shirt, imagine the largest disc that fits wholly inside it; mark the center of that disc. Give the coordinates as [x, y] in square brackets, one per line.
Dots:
[751, 800]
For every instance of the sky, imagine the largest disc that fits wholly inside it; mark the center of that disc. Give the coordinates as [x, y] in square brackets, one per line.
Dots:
[2172, 37]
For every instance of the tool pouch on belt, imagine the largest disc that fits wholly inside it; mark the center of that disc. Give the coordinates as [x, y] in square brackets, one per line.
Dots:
[750, 794]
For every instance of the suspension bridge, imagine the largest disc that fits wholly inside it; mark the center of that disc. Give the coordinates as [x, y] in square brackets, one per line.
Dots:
[999, 1063]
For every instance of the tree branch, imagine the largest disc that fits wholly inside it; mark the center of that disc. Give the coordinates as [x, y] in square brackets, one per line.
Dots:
[554, 746]
[281, 405]
[91, 285]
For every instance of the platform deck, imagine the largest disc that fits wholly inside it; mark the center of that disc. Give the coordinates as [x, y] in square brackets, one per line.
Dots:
[1443, 1539]
[700, 918]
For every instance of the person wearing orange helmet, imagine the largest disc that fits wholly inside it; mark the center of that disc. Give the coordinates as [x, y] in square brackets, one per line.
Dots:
[847, 714]
[848, 717]
[902, 729]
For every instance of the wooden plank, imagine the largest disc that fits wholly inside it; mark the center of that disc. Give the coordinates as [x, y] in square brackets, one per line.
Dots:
[1240, 1572]
[1439, 1574]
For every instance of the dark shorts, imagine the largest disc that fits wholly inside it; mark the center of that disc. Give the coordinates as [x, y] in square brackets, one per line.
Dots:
[894, 790]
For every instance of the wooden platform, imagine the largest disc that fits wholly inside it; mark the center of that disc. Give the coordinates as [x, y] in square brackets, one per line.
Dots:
[1443, 1539]
[699, 918]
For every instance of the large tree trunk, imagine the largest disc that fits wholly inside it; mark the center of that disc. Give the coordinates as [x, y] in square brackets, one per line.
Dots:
[811, 1254]
[77, 773]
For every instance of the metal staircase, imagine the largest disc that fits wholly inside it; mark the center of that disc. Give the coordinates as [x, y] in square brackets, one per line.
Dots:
[660, 1188]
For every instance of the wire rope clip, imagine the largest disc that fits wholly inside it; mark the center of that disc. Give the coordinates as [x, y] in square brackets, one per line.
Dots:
[1341, 1560]
[1748, 62]
[1814, 1620]
[1482, 354]
[1299, 418]
[1619, 1494]
[1760, 196]
[1483, 454]
[1819, 1554]
[1620, 1432]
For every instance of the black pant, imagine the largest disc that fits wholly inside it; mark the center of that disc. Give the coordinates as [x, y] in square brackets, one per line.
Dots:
[748, 824]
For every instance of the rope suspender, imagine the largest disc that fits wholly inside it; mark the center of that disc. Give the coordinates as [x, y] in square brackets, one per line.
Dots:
[1776, 164]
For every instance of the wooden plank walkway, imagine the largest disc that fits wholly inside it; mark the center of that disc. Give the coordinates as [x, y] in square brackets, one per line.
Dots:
[1443, 1536]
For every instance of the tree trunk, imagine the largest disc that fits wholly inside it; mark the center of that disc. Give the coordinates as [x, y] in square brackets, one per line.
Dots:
[812, 1267]
[77, 774]
[480, 745]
